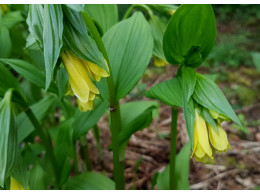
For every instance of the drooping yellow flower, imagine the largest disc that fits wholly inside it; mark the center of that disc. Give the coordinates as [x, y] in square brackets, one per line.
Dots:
[201, 147]
[15, 185]
[219, 141]
[158, 62]
[81, 73]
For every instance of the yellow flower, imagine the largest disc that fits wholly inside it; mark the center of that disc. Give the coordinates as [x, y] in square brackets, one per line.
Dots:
[15, 185]
[159, 62]
[4, 8]
[81, 73]
[219, 141]
[201, 147]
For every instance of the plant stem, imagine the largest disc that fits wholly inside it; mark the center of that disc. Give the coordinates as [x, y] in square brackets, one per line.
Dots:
[173, 143]
[114, 109]
[140, 6]
[46, 140]
[118, 165]
[84, 145]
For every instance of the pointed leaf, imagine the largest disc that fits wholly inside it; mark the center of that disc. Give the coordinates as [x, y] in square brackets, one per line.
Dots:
[168, 92]
[5, 42]
[129, 46]
[105, 15]
[12, 18]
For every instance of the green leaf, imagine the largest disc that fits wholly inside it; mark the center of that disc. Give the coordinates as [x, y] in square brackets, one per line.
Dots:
[30, 72]
[166, 10]
[76, 7]
[189, 116]
[20, 172]
[90, 181]
[12, 18]
[62, 80]
[36, 181]
[8, 138]
[188, 82]
[35, 22]
[136, 116]
[84, 121]
[40, 109]
[5, 42]
[7, 80]
[77, 39]
[208, 94]
[158, 27]
[52, 38]
[256, 60]
[190, 35]
[181, 171]
[64, 148]
[208, 118]
[168, 92]
[129, 46]
[105, 15]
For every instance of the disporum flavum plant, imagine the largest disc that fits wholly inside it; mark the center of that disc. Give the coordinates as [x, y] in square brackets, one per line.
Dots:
[86, 52]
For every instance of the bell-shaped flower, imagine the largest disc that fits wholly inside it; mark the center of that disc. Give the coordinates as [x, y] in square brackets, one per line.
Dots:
[201, 147]
[81, 73]
[219, 140]
[219, 117]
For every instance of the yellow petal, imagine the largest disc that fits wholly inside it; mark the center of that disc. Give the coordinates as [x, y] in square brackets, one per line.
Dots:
[79, 80]
[97, 70]
[159, 62]
[218, 141]
[202, 133]
[15, 185]
[85, 106]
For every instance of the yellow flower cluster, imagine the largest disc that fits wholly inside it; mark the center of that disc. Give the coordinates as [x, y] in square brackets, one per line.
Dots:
[81, 73]
[205, 136]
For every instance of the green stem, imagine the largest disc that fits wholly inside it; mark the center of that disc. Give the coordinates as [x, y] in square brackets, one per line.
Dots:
[84, 147]
[118, 165]
[173, 143]
[140, 6]
[75, 162]
[114, 109]
[46, 140]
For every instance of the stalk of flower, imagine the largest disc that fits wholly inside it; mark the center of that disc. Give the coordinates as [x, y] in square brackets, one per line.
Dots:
[81, 73]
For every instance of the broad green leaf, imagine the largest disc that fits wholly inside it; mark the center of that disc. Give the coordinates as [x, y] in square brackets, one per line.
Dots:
[208, 94]
[64, 148]
[8, 138]
[136, 116]
[256, 60]
[52, 38]
[20, 172]
[12, 18]
[181, 171]
[77, 39]
[129, 46]
[84, 121]
[5, 42]
[158, 27]
[37, 175]
[105, 15]
[168, 92]
[189, 116]
[190, 35]
[40, 109]
[90, 181]
[30, 72]
[204, 112]
[35, 22]
[76, 7]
